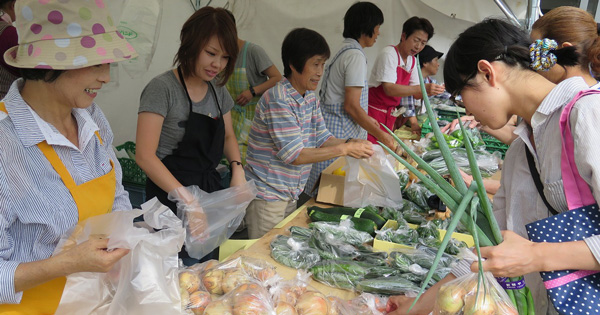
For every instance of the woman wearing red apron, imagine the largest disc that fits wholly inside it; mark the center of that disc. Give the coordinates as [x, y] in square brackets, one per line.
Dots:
[394, 74]
[184, 121]
[56, 162]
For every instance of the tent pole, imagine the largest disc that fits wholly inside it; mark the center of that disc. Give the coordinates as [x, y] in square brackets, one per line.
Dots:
[533, 9]
[508, 12]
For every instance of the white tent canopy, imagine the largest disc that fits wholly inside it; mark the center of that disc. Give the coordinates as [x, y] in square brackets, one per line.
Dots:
[266, 22]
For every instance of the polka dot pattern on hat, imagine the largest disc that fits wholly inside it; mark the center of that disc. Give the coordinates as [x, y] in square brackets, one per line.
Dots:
[66, 34]
[571, 291]
[55, 17]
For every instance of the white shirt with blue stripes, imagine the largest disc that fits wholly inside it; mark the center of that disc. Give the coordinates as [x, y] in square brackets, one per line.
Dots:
[36, 208]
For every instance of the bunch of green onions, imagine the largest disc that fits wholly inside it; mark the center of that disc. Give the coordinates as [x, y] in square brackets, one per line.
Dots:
[473, 210]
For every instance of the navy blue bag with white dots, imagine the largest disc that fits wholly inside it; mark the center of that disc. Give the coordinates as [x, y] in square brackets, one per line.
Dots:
[571, 291]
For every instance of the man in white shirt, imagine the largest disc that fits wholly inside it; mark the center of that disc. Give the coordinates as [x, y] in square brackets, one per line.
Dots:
[394, 74]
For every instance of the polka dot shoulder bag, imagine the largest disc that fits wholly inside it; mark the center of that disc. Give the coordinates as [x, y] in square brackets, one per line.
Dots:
[571, 291]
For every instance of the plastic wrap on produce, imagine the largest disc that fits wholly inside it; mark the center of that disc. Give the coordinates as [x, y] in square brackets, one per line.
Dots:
[470, 294]
[293, 252]
[145, 281]
[344, 231]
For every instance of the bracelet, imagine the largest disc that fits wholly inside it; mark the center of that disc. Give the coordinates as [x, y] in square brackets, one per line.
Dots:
[252, 91]
[348, 140]
[234, 162]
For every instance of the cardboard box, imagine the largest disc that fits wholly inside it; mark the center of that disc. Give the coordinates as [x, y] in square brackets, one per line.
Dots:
[384, 246]
[331, 187]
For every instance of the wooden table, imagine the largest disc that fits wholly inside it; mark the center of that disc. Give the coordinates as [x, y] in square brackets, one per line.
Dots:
[262, 250]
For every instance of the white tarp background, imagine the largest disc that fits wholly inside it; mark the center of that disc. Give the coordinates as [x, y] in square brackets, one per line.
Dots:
[266, 22]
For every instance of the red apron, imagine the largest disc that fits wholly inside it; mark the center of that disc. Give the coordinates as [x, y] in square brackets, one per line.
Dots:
[381, 105]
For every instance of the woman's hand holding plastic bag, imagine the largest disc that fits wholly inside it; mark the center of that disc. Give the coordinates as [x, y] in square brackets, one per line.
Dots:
[90, 256]
[190, 212]
[144, 281]
[211, 218]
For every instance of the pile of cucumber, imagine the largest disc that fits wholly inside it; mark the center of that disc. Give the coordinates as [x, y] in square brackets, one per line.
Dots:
[337, 253]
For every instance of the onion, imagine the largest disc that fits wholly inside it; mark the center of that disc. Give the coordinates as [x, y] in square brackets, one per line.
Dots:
[312, 303]
[212, 281]
[198, 302]
[479, 304]
[284, 308]
[250, 304]
[232, 279]
[450, 299]
[219, 307]
[189, 281]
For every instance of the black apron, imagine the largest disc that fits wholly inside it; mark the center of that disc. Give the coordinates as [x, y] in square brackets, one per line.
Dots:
[197, 155]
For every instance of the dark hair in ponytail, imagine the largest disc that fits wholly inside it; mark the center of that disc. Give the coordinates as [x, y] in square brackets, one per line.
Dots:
[492, 40]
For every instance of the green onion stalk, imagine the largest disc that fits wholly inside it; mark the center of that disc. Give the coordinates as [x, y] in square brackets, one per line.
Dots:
[471, 205]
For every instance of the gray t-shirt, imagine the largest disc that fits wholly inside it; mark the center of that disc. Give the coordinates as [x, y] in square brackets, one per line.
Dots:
[350, 69]
[257, 61]
[164, 95]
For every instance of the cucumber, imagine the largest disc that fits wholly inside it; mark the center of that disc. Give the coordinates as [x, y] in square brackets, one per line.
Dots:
[300, 232]
[393, 285]
[360, 224]
[365, 213]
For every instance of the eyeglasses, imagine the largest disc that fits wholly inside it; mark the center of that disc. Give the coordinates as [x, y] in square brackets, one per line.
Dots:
[457, 100]
[455, 97]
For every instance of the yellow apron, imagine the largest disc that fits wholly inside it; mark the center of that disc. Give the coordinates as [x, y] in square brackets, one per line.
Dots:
[92, 198]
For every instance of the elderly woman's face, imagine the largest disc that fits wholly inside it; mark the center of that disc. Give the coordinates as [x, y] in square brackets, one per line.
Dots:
[79, 87]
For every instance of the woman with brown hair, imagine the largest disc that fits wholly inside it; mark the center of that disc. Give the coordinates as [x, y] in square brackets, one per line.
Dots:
[184, 121]
[571, 26]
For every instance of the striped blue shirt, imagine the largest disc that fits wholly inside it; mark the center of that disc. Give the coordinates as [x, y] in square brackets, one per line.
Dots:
[284, 124]
[36, 208]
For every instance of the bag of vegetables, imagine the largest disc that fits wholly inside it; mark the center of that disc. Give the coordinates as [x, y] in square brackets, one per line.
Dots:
[472, 294]
[295, 296]
[293, 253]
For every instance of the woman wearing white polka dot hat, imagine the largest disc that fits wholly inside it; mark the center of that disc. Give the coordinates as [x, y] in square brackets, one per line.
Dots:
[57, 166]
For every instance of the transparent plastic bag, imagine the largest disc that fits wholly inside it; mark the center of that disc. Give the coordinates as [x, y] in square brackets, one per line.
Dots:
[295, 296]
[488, 162]
[419, 194]
[223, 211]
[344, 232]
[371, 181]
[367, 304]
[293, 253]
[248, 298]
[225, 277]
[331, 248]
[344, 274]
[144, 281]
[194, 296]
[470, 295]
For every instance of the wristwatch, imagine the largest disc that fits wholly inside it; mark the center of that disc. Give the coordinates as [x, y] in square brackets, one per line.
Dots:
[252, 91]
